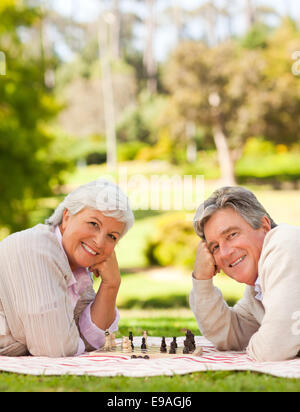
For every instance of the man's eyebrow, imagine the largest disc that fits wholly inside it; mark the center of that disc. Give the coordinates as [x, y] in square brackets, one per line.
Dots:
[229, 229]
[224, 232]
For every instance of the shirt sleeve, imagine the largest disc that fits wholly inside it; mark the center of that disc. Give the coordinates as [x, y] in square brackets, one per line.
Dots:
[80, 348]
[277, 339]
[94, 335]
[227, 328]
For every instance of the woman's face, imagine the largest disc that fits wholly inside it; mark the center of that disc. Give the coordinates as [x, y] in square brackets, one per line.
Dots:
[89, 237]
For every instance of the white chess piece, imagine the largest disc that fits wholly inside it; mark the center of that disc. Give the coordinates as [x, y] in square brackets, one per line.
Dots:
[107, 344]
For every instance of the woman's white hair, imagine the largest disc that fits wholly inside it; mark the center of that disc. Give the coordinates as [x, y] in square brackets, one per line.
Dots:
[101, 195]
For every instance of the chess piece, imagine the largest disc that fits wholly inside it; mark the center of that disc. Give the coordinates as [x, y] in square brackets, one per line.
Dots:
[163, 345]
[185, 350]
[190, 340]
[131, 340]
[145, 336]
[126, 347]
[107, 344]
[175, 342]
[143, 346]
[172, 348]
[112, 341]
[186, 347]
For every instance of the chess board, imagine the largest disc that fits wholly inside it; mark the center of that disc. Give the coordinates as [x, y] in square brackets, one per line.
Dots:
[152, 352]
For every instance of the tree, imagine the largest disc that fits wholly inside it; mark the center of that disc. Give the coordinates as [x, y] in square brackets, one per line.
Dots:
[29, 166]
[237, 93]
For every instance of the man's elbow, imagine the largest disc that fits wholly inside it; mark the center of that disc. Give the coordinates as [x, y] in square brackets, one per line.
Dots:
[270, 353]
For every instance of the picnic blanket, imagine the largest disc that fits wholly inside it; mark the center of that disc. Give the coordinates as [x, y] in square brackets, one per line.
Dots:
[94, 365]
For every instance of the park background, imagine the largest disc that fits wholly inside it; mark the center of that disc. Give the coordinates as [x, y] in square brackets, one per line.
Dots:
[160, 88]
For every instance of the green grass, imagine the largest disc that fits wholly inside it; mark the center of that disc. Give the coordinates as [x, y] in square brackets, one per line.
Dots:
[220, 381]
[159, 322]
[158, 303]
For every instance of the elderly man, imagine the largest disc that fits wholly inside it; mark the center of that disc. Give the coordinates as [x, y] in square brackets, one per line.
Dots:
[240, 238]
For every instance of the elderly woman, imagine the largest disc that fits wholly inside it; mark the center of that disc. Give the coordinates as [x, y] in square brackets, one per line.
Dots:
[47, 303]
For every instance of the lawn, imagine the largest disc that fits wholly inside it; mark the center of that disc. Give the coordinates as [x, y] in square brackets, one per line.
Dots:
[157, 301]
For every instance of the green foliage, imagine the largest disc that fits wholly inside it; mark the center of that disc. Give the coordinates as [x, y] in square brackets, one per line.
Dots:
[174, 243]
[257, 37]
[29, 165]
[238, 91]
[142, 121]
[265, 162]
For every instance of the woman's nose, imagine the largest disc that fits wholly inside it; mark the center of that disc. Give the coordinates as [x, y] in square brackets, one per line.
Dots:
[100, 240]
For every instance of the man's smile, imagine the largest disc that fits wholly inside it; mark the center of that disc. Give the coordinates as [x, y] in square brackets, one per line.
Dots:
[236, 262]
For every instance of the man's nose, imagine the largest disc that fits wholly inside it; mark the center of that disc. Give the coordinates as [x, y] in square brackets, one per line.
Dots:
[225, 251]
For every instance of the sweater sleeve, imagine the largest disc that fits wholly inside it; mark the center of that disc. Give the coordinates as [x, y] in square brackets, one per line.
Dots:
[34, 276]
[46, 310]
[278, 337]
[227, 328]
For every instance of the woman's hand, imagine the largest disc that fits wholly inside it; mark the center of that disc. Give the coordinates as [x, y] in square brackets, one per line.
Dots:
[205, 266]
[103, 307]
[108, 270]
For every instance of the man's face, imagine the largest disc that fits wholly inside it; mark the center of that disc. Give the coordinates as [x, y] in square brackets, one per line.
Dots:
[235, 245]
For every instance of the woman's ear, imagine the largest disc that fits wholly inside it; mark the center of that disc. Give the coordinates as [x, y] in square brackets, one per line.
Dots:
[65, 219]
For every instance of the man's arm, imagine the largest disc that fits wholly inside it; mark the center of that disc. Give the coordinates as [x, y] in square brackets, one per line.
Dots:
[278, 338]
[228, 328]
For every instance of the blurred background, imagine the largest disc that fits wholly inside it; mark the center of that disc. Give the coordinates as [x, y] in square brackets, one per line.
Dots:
[208, 87]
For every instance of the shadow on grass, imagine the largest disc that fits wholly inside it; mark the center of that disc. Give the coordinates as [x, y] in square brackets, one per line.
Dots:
[162, 302]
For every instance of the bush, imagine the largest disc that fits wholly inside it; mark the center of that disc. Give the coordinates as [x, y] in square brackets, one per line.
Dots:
[266, 163]
[174, 242]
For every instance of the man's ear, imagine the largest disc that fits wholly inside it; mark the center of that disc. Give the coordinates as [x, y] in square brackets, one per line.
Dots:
[266, 224]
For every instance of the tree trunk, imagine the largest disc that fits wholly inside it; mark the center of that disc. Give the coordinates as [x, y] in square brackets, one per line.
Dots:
[116, 52]
[250, 11]
[108, 94]
[225, 160]
[149, 58]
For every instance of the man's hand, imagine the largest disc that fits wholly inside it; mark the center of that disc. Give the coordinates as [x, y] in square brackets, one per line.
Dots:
[108, 270]
[205, 266]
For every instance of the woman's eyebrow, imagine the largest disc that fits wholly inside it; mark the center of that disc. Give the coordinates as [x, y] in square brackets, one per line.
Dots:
[96, 218]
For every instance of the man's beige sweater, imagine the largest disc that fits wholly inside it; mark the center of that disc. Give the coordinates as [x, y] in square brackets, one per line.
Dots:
[268, 329]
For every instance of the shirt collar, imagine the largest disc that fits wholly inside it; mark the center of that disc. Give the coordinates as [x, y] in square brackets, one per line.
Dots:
[257, 288]
[80, 274]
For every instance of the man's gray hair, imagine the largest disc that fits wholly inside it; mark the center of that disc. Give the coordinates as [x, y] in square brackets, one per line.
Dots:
[101, 195]
[243, 201]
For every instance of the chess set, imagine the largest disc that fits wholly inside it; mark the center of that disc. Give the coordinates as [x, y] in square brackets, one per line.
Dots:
[146, 351]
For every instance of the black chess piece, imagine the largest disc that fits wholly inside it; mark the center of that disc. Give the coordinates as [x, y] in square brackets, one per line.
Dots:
[130, 337]
[185, 350]
[143, 346]
[175, 342]
[172, 348]
[163, 345]
[186, 347]
[190, 340]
